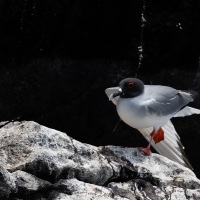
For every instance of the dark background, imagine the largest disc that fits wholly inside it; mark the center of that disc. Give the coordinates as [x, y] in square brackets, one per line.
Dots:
[58, 57]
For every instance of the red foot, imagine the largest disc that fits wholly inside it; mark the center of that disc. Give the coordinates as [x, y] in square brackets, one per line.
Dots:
[159, 135]
[146, 150]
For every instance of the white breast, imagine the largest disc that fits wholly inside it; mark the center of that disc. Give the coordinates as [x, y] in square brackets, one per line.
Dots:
[133, 112]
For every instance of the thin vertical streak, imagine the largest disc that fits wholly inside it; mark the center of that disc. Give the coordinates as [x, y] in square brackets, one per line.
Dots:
[23, 12]
[140, 48]
[196, 82]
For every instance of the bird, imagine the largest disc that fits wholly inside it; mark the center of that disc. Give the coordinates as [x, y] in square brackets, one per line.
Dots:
[149, 109]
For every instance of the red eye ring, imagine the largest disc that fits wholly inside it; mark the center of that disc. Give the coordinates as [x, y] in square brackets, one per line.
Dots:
[130, 85]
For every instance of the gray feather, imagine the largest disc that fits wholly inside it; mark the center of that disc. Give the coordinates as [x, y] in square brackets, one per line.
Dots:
[164, 101]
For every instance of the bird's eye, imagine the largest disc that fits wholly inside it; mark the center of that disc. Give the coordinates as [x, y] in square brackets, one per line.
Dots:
[130, 84]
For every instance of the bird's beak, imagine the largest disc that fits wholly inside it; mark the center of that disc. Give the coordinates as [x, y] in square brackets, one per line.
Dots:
[115, 94]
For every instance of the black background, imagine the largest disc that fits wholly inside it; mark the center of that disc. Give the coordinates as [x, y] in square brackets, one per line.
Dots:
[58, 57]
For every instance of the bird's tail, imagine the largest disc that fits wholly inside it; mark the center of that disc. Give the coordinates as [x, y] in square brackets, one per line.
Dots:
[187, 111]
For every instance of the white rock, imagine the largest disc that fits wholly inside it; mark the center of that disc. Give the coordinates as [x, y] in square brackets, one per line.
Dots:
[78, 190]
[41, 163]
[160, 170]
[43, 152]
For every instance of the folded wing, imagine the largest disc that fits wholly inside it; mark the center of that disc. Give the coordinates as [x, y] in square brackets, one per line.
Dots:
[165, 101]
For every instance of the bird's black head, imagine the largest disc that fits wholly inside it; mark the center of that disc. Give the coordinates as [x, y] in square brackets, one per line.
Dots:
[130, 87]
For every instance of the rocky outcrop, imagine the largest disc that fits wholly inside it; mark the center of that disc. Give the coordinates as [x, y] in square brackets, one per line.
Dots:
[41, 163]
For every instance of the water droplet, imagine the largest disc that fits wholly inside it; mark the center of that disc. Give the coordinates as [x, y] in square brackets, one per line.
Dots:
[179, 26]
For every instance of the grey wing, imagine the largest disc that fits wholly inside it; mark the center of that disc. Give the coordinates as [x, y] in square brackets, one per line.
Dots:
[164, 101]
[171, 147]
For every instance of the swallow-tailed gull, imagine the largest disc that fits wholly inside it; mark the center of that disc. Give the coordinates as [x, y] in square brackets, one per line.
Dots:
[149, 109]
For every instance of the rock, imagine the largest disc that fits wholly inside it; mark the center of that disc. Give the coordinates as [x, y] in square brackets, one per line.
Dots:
[50, 154]
[41, 163]
[7, 183]
[74, 189]
[141, 189]
[30, 187]
[156, 169]
[28, 183]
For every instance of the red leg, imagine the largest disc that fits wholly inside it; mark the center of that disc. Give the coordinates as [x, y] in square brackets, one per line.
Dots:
[157, 136]
[147, 150]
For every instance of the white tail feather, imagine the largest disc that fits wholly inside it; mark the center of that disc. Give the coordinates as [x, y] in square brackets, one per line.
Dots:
[187, 111]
